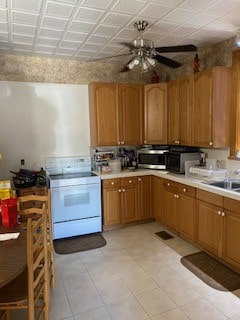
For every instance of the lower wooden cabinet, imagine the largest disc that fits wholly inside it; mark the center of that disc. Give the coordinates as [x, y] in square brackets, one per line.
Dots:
[111, 201]
[145, 197]
[129, 199]
[179, 208]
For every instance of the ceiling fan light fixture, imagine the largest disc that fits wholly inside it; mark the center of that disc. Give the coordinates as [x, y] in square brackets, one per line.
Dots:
[151, 61]
[131, 64]
[237, 40]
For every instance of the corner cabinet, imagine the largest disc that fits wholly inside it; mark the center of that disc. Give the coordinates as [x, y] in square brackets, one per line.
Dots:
[116, 114]
[211, 108]
[155, 113]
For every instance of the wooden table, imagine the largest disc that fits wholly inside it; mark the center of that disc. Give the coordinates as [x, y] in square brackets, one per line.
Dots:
[13, 258]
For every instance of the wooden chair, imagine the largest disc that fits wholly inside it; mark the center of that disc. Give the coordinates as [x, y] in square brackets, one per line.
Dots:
[30, 290]
[33, 206]
[3, 315]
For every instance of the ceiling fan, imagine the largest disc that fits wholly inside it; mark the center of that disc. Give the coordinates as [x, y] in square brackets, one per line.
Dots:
[145, 55]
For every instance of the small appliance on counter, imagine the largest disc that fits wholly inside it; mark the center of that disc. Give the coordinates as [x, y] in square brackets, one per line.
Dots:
[178, 155]
[153, 157]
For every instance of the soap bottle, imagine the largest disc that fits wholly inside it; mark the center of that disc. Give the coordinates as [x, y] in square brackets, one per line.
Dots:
[42, 177]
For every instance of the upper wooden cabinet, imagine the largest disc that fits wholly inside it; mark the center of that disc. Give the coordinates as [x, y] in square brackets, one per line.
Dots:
[130, 101]
[211, 108]
[116, 114]
[180, 99]
[155, 113]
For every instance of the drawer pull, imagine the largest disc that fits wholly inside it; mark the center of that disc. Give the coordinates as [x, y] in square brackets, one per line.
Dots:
[112, 183]
[123, 190]
[168, 184]
[223, 214]
[219, 213]
[139, 179]
[119, 190]
[184, 189]
[130, 181]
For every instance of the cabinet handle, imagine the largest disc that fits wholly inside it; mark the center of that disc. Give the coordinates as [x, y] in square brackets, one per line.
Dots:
[119, 142]
[139, 179]
[168, 184]
[184, 189]
[177, 196]
[112, 183]
[119, 190]
[210, 143]
[123, 190]
[122, 142]
[130, 181]
[219, 213]
[145, 141]
[223, 214]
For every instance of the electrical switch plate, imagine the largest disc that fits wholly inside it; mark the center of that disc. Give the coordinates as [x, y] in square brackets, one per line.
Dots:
[22, 162]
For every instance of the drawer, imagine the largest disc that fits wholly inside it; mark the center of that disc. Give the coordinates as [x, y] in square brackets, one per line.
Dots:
[210, 197]
[169, 185]
[231, 205]
[34, 190]
[185, 189]
[129, 181]
[111, 183]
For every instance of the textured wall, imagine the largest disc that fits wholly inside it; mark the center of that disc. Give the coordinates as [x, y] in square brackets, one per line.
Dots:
[41, 69]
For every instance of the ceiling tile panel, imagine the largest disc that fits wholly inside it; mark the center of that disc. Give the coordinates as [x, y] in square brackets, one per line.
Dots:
[3, 26]
[223, 7]
[81, 26]
[32, 6]
[202, 20]
[75, 36]
[3, 36]
[47, 42]
[155, 11]
[103, 30]
[88, 14]
[22, 47]
[98, 39]
[116, 19]
[127, 34]
[184, 31]
[23, 29]
[24, 17]
[3, 3]
[66, 51]
[46, 50]
[180, 15]
[3, 14]
[172, 3]
[50, 33]
[100, 4]
[55, 23]
[197, 5]
[85, 54]
[59, 9]
[17, 38]
[91, 47]
[71, 1]
[70, 44]
[129, 7]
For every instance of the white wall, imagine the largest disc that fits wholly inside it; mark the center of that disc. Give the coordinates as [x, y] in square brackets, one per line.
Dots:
[41, 120]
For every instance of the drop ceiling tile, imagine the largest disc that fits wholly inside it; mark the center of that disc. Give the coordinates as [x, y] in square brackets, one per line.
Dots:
[3, 26]
[84, 54]
[70, 44]
[47, 42]
[59, 9]
[127, 34]
[75, 36]
[3, 4]
[23, 29]
[180, 15]
[46, 50]
[103, 4]
[202, 20]
[91, 47]
[116, 19]
[65, 51]
[166, 41]
[197, 5]
[71, 1]
[31, 6]
[171, 3]
[155, 11]
[223, 7]
[110, 49]
[81, 26]
[22, 47]
[165, 27]
[103, 30]
[50, 33]
[24, 17]
[3, 14]
[184, 31]
[98, 39]
[88, 14]
[223, 24]
[55, 23]
[211, 33]
[3, 36]
[17, 38]
[129, 7]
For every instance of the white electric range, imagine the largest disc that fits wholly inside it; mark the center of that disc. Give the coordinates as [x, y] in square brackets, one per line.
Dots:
[75, 196]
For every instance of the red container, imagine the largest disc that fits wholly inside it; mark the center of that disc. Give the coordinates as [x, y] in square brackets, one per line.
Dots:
[9, 212]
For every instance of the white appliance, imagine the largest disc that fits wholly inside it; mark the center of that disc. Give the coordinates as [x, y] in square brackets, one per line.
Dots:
[75, 196]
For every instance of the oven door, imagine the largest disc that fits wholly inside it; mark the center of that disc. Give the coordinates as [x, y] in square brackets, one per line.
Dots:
[75, 202]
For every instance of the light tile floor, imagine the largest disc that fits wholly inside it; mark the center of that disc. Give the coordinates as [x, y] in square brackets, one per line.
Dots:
[136, 276]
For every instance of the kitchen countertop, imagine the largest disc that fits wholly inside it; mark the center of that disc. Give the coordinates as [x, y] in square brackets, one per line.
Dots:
[181, 178]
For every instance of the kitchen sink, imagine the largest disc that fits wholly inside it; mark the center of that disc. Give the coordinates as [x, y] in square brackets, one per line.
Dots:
[230, 184]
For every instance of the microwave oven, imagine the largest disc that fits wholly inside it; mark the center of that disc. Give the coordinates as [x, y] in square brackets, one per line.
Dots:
[152, 158]
[177, 157]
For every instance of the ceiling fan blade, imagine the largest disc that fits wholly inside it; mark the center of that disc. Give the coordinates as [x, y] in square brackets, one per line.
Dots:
[168, 62]
[127, 44]
[184, 48]
[111, 57]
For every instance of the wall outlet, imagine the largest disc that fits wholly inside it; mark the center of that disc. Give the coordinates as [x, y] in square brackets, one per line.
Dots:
[22, 162]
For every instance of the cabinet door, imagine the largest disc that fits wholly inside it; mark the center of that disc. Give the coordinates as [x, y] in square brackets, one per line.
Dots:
[209, 227]
[129, 203]
[169, 209]
[104, 114]
[187, 217]
[231, 240]
[185, 109]
[131, 113]
[173, 112]
[111, 202]
[157, 201]
[202, 109]
[145, 197]
[155, 113]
